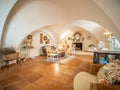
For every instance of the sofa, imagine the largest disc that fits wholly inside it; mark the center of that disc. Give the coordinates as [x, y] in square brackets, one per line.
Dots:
[89, 80]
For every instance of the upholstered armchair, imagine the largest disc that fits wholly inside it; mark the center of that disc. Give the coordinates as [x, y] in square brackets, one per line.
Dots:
[89, 81]
[44, 51]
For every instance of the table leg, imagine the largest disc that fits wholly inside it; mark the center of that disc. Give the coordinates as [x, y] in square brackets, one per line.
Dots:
[94, 59]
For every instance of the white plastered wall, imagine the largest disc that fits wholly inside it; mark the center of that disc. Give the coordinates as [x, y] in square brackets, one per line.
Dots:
[4, 12]
[26, 18]
[112, 9]
[3, 16]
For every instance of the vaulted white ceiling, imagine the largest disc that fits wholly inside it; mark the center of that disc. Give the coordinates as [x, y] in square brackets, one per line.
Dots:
[28, 15]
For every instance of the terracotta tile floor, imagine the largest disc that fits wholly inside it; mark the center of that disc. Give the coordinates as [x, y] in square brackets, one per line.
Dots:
[38, 74]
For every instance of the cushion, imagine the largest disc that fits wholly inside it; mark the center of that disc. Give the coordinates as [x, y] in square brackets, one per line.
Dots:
[94, 68]
[109, 73]
[82, 81]
[96, 86]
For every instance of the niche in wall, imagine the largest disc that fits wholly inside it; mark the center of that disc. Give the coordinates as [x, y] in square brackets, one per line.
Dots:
[80, 37]
[39, 39]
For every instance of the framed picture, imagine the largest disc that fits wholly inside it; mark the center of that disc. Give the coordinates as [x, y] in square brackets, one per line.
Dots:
[45, 38]
[47, 41]
[29, 37]
[41, 36]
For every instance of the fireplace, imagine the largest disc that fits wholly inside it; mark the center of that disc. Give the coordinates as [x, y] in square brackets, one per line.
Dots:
[78, 46]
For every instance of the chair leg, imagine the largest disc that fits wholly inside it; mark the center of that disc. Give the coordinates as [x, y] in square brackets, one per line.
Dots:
[7, 64]
[18, 62]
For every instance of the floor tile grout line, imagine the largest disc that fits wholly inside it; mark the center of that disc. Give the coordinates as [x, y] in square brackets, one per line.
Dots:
[27, 81]
[32, 84]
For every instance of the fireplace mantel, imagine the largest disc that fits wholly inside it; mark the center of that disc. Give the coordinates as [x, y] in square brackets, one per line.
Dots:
[78, 45]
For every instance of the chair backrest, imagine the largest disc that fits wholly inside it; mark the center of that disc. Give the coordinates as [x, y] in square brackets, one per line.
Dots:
[12, 56]
[102, 55]
[105, 56]
[44, 50]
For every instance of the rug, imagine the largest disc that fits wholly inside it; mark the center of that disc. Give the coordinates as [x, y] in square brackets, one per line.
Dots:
[66, 60]
[63, 60]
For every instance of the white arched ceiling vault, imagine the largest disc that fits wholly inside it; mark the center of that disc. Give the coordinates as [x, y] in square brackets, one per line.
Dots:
[4, 13]
[87, 28]
[93, 28]
[112, 9]
[29, 15]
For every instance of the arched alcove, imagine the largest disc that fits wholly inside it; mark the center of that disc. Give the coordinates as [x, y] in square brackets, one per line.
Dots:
[36, 41]
[68, 38]
[91, 32]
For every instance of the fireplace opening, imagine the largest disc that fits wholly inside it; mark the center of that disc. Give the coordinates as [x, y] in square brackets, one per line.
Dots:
[78, 46]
